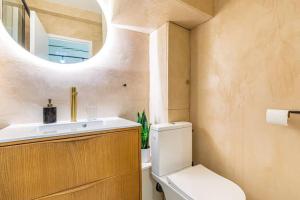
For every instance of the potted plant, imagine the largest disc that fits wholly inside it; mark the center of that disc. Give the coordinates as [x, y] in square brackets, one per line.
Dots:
[145, 134]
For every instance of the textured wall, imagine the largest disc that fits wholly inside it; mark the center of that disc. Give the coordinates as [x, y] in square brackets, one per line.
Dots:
[245, 60]
[158, 56]
[170, 74]
[179, 68]
[27, 83]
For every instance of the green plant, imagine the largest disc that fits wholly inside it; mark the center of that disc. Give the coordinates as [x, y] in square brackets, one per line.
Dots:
[142, 119]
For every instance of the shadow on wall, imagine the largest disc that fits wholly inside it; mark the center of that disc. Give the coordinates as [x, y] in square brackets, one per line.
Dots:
[3, 124]
[201, 138]
[294, 122]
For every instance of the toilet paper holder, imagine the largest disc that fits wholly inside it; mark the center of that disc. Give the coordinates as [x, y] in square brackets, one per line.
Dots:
[280, 117]
[294, 112]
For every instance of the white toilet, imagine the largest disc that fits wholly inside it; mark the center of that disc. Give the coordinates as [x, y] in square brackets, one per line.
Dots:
[171, 148]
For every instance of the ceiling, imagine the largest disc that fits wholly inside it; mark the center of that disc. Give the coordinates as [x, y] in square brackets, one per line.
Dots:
[148, 15]
[90, 5]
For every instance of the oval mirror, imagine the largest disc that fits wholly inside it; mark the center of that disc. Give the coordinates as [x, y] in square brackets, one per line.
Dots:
[61, 31]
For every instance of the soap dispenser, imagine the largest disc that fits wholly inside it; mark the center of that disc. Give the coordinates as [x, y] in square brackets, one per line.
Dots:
[49, 113]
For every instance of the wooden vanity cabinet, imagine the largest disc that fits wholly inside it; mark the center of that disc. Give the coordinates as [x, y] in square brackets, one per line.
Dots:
[96, 166]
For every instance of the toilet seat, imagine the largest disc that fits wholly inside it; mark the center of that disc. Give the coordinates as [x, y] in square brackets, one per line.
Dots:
[200, 183]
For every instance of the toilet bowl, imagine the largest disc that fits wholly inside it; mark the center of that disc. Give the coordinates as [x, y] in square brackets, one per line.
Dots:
[198, 183]
[171, 148]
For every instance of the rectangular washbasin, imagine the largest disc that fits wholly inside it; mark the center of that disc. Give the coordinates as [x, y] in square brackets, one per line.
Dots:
[21, 132]
[71, 127]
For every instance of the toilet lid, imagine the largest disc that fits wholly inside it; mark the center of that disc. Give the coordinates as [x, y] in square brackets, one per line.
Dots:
[200, 183]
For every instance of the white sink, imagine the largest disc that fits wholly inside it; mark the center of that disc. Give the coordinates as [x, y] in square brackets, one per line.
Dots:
[71, 127]
[19, 132]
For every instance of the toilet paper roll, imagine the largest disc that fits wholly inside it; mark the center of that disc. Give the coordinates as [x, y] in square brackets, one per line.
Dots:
[279, 117]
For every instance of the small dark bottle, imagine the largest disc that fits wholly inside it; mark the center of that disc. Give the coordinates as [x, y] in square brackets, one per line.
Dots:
[49, 113]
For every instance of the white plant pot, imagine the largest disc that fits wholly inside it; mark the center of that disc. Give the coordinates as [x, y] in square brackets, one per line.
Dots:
[146, 157]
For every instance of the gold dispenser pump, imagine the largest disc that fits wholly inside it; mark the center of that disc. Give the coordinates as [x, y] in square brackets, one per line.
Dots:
[74, 94]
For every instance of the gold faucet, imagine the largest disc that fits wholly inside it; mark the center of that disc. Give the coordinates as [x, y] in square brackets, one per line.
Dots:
[74, 94]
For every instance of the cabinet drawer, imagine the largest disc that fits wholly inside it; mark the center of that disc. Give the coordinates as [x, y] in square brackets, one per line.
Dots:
[117, 188]
[31, 171]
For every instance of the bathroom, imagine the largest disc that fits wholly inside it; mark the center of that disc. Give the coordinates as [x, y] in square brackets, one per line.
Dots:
[217, 78]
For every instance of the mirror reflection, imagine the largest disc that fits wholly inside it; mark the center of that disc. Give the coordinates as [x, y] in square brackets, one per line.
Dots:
[61, 31]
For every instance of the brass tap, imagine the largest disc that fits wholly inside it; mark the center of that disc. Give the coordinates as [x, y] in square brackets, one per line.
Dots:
[74, 94]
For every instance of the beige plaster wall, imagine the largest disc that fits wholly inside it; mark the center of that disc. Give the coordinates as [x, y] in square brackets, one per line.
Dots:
[245, 60]
[170, 74]
[159, 95]
[179, 65]
[26, 83]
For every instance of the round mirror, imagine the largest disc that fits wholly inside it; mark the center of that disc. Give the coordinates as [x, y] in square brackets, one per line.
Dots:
[61, 31]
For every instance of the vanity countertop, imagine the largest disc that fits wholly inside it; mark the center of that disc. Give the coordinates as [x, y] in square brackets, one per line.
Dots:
[28, 132]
